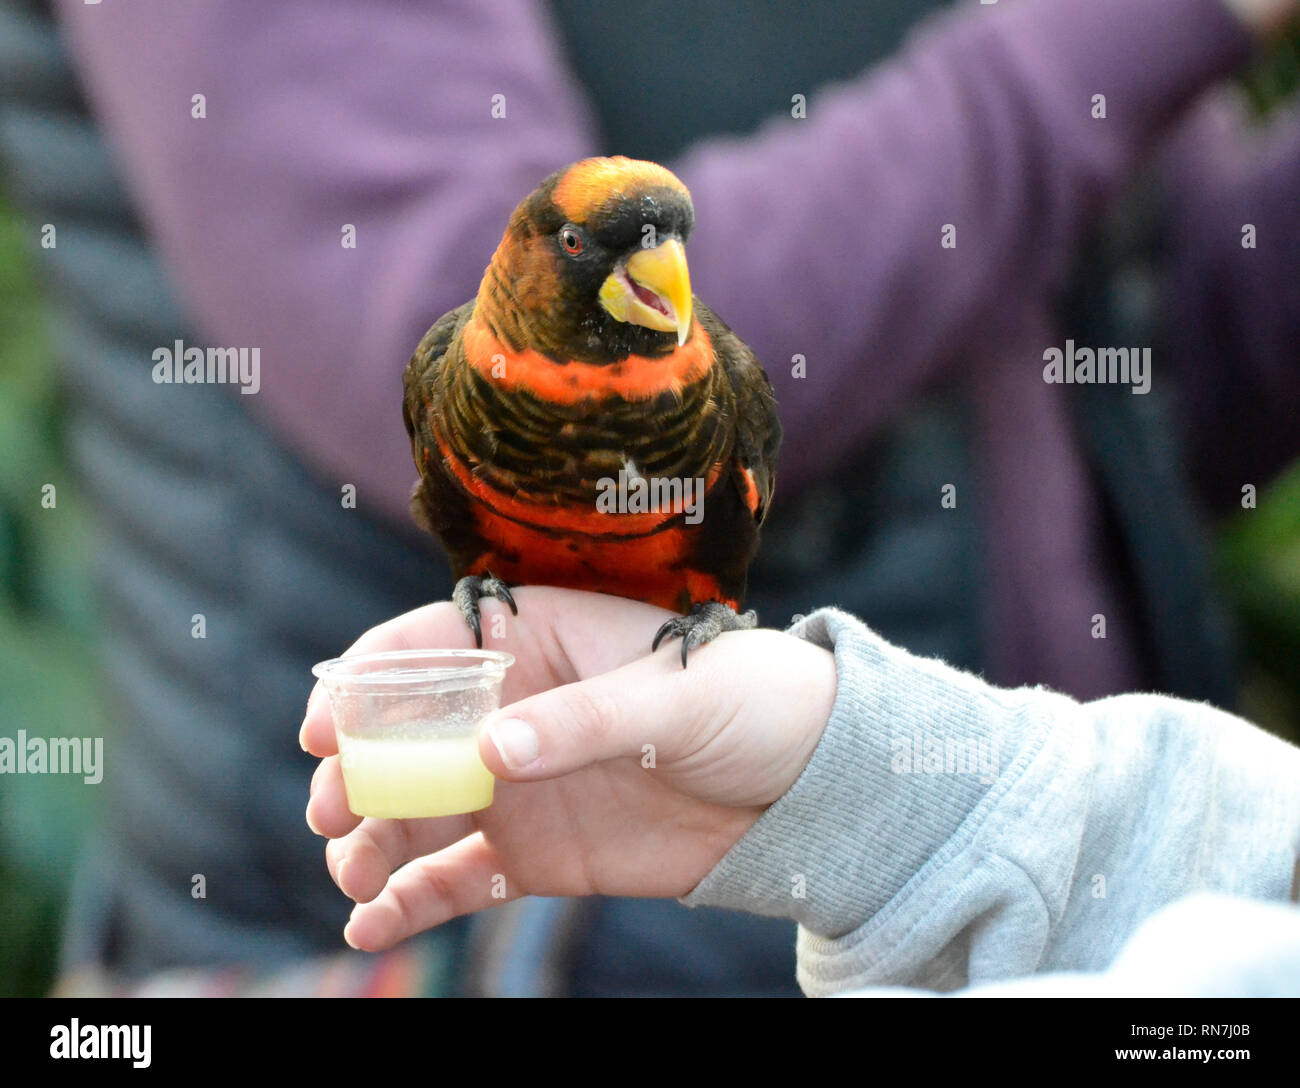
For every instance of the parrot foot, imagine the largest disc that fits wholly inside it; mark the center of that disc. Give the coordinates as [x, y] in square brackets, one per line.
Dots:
[707, 620]
[470, 590]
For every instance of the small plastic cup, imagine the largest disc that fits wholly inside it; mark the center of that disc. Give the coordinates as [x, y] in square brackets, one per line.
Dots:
[407, 726]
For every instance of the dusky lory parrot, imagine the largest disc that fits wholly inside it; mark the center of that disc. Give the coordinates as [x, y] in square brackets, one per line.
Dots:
[585, 366]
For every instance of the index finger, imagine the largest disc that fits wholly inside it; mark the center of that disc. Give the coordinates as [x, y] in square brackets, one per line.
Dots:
[438, 624]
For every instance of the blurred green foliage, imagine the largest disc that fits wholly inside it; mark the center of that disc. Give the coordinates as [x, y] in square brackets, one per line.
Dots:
[1275, 75]
[1259, 563]
[47, 678]
[1259, 550]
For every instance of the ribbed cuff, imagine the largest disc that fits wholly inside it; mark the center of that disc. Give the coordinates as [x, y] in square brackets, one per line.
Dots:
[912, 746]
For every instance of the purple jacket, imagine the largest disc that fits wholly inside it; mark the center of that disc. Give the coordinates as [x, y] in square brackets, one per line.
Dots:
[334, 112]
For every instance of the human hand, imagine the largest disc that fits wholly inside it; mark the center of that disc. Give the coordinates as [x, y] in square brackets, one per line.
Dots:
[639, 777]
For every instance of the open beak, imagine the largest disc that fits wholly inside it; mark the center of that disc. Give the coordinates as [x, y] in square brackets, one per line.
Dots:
[652, 289]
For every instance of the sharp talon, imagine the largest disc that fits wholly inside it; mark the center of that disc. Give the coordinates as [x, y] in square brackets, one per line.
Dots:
[707, 620]
[470, 589]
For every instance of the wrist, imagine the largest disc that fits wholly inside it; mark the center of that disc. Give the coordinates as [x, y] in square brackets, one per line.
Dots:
[869, 811]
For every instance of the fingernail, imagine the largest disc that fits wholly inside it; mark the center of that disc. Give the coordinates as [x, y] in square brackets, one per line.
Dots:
[347, 936]
[515, 741]
[302, 733]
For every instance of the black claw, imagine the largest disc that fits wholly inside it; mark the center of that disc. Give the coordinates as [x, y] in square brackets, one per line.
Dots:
[707, 620]
[502, 593]
[664, 630]
[468, 592]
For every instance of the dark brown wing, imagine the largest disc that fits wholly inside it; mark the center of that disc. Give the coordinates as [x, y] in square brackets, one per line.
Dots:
[758, 430]
[419, 380]
[438, 504]
[728, 539]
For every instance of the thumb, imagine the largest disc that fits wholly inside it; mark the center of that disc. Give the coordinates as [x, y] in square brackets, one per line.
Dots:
[651, 701]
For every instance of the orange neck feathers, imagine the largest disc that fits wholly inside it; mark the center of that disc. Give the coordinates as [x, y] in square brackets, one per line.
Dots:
[635, 377]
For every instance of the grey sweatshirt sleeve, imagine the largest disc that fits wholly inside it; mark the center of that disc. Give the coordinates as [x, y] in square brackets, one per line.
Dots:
[947, 833]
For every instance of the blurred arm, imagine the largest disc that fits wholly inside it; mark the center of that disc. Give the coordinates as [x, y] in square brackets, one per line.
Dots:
[822, 236]
[321, 114]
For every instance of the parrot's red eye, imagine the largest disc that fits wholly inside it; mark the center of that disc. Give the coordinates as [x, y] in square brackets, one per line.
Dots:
[571, 240]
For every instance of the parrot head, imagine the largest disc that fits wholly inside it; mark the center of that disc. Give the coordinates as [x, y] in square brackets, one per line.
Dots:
[592, 266]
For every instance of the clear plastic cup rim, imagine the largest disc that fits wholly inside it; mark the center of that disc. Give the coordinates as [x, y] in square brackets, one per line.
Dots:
[413, 671]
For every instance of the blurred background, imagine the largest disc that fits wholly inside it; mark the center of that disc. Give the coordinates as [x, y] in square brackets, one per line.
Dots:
[48, 675]
[52, 635]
